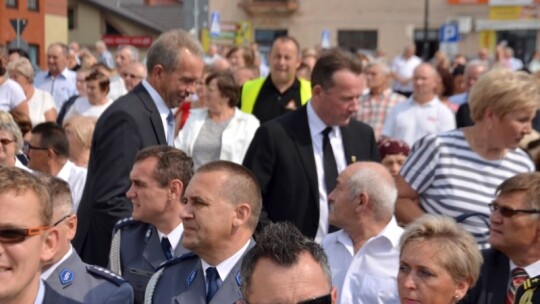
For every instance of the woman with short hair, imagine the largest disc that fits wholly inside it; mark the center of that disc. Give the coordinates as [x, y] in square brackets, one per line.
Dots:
[439, 261]
[96, 100]
[455, 173]
[221, 131]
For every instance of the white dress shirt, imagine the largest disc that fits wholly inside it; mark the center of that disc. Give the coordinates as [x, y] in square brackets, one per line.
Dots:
[173, 236]
[161, 106]
[75, 176]
[370, 275]
[225, 267]
[316, 126]
[47, 273]
[532, 270]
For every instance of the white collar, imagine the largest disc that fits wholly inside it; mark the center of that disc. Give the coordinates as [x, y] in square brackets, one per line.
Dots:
[173, 236]
[316, 125]
[225, 267]
[158, 100]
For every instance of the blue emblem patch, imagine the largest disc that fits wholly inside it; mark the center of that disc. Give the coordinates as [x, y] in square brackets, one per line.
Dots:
[191, 277]
[66, 277]
[238, 279]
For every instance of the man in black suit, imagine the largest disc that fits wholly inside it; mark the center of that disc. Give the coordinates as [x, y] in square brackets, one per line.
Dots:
[515, 240]
[137, 120]
[297, 157]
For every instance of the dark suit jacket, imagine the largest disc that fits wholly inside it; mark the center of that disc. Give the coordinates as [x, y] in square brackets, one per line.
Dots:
[88, 285]
[492, 285]
[131, 123]
[184, 282]
[141, 255]
[281, 157]
[53, 297]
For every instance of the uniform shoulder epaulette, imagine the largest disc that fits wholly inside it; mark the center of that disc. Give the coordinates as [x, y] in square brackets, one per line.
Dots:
[125, 222]
[105, 274]
[531, 283]
[175, 260]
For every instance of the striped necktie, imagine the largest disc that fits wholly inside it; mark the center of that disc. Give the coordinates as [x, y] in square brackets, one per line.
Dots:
[518, 277]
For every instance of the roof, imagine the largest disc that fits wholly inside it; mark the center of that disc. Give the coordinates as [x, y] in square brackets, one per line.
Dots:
[159, 18]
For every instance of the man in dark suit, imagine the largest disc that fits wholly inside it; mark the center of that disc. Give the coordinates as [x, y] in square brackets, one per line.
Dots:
[298, 156]
[67, 274]
[153, 234]
[139, 119]
[515, 240]
[221, 210]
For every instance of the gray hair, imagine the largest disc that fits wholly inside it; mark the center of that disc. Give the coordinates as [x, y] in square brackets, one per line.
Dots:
[382, 191]
[282, 244]
[60, 193]
[12, 128]
[164, 50]
[475, 63]
[385, 69]
[23, 66]
[134, 52]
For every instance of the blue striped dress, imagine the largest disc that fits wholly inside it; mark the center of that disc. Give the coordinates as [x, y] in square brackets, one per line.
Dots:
[453, 180]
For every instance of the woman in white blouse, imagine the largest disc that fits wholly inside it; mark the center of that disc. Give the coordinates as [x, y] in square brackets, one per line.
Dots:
[41, 105]
[96, 100]
[221, 131]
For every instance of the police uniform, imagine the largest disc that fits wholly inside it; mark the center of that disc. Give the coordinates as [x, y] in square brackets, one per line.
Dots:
[88, 284]
[136, 253]
[528, 292]
[181, 280]
[53, 297]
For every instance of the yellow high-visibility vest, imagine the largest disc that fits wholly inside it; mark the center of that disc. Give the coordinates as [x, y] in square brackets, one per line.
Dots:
[251, 89]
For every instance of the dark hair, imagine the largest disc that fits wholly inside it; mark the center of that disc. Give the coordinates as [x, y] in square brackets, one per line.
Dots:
[172, 164]
[100, 65]
[53, 137]
[241, 186]
[103, 81]
[247, 54]
[447, 82]
[226, 84]
[282, 244]
[287, 39]
[329, 63]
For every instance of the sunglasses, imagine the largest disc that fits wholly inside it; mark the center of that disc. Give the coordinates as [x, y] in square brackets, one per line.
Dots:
[61, 220]
[509, 212]
[326, 299]
[18, 235]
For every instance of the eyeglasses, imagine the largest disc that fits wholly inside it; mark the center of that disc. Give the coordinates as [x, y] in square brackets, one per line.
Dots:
[18, 235]
[30, 147]
[60, 220]
[509, 212]
[5, 141]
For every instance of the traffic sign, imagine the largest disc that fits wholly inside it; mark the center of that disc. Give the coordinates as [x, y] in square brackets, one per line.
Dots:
[18, 25]
[449, 33]
[325, 41]
[215, 24]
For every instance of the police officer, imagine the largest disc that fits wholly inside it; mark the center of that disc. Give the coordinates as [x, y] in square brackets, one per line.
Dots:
[67, 274]
[221, 210]
[152, 236]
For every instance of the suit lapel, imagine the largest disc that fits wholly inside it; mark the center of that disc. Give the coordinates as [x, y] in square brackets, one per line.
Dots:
[152, 252]
[499, 283]
[155, 118]
[196, 291]
[301, 136]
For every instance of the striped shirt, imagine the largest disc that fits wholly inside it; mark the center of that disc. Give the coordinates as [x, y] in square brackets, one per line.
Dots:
[453, 180]
[373, 109]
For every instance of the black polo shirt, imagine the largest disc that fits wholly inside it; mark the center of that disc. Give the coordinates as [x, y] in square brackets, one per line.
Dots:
[270, 103]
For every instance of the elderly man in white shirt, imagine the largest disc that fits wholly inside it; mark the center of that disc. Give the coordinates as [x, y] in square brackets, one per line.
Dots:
[423, 113]
[364, 255]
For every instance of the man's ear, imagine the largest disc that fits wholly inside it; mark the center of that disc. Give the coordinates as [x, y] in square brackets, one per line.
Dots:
[176, 188]
[158, 72]
[243, 213]
[49, 245]
[71, 222]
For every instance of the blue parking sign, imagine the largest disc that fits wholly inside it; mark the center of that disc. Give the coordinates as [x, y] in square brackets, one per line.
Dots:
[449, 33]
[215, 24]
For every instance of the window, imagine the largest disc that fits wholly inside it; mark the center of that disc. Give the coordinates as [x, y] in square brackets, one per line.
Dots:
[33, 53]
[33, 5]
[72, 22]
[357, 40]
[12, 3]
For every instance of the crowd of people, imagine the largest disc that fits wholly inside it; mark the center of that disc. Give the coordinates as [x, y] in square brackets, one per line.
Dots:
[311, 176]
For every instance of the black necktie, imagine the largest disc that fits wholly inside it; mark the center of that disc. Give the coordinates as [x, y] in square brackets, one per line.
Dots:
[166, 247]
[212, 277]
[329, 162]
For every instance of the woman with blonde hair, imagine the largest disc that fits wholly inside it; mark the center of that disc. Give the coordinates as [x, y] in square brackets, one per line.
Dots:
[456, 173]
[439, 261]
[79, 131]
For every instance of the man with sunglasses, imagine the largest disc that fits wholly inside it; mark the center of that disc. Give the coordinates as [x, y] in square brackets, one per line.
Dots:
[515, 240]
[27, 241]
[66, 273]
[286, 267]
[48, 152]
